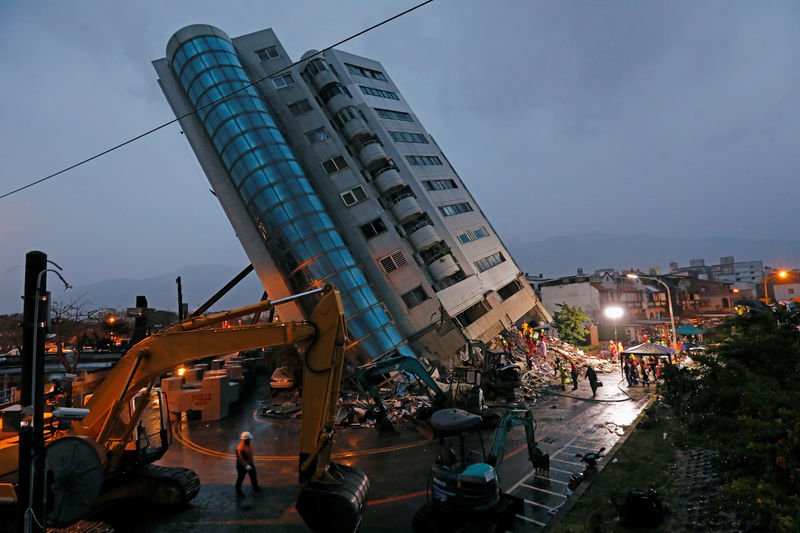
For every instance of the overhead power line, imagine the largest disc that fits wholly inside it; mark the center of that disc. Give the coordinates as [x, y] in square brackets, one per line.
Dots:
[165, 124]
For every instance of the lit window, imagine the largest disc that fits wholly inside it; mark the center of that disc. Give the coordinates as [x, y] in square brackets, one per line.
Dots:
[393, 115]
[473, 235]
[353, 196]
[455, 209]
[415, 297]
[283, 81]
[406, 137]
[423, 160]
[299, 108]
[439, 185]
[317, 136]
[373, 228]
[334, 164]
[265, 54]
[488, 262]
[379, 92]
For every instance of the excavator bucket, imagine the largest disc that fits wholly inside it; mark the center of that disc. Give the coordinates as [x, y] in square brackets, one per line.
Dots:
[335, 507]
[540, 461]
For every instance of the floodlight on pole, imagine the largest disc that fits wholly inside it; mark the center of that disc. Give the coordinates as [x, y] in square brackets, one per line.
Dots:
[636, 275]
[781, 274]
[614, 312]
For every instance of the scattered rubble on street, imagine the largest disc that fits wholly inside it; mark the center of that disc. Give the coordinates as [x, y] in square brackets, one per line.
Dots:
[405, 400]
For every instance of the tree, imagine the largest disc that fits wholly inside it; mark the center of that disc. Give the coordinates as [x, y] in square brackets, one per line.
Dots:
[10, 332]
[70, 322]
[571, 323]
[745, 399]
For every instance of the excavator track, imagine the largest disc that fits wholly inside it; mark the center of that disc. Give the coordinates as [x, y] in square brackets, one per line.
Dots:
[169, 485]
[156, 485]
[84, 526]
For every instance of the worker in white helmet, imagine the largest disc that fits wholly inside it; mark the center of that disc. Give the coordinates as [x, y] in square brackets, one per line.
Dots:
[245, 464]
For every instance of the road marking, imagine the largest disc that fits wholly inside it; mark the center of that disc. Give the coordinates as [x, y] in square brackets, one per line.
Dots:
[551, 480]
[568, 462]
[531, 520]
[538, 504]
[562, 471]
[262, 458]
[546, 491]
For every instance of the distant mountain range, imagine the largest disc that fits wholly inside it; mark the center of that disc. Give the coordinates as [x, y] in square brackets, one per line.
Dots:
[198, 283]
[553, 257]
[562, 256]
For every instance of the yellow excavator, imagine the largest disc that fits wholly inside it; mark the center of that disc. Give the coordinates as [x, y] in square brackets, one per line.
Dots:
[106, 457]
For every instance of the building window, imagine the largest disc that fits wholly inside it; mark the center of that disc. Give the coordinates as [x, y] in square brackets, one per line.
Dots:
[507, 291]
[329, 91]
[265, 54]
[390, 263]
[353, 196]
[393, 115]
[439, 185]
[423, 160]
[335, 164]
[471, 314]
[415, 297]
[488, 262]
[406, 137]
[299, 108]
[317, 136]
[283, 81]
[373, 228]
[455, 209]
[365, 72]
[473, 235]
[379, 92]
[316, 66]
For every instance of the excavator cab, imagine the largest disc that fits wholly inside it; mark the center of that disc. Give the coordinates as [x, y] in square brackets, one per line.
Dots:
[465, 492]
[153, 433]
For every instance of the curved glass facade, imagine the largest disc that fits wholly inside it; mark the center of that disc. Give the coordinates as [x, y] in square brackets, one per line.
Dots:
[296, 229]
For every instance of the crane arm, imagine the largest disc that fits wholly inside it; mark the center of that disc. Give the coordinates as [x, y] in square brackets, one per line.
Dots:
[517, 417]
[183, 342]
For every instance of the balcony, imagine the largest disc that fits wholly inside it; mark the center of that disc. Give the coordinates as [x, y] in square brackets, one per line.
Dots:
[323, 78]
[355, 127]
[338, 102]
[423, 237]
[371, 154]
[443, 267]
[406, 208]
[387, 179]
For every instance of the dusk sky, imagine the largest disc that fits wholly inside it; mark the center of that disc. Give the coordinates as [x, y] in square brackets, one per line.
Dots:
[662, 118]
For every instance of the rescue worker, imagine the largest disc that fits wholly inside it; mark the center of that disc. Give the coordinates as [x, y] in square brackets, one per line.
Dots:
[245, 464]
[591, 375]
[573, 374]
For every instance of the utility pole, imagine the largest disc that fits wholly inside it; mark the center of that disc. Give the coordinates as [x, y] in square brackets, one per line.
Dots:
[30, 492]
[180, 300]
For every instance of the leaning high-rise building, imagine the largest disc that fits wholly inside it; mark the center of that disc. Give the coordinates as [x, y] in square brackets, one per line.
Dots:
[327, 176]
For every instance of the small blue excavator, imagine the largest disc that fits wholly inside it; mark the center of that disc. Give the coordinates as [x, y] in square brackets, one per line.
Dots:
[464, 495]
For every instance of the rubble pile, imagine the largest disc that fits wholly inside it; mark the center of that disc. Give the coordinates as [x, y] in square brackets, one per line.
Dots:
[405, 402]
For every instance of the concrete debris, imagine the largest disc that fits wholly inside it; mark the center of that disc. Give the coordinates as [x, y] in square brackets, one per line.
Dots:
[405, 401]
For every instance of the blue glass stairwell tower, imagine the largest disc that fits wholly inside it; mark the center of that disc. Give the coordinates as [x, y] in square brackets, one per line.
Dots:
[288, 214]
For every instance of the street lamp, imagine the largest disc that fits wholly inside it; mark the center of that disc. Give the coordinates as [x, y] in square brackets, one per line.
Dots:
[636, 275]
[782, 274]
[614, 312]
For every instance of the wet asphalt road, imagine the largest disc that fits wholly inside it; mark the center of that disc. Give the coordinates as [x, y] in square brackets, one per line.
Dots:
[397, 465]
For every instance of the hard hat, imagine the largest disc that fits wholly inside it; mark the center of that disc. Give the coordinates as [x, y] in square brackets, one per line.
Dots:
[246, 435]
